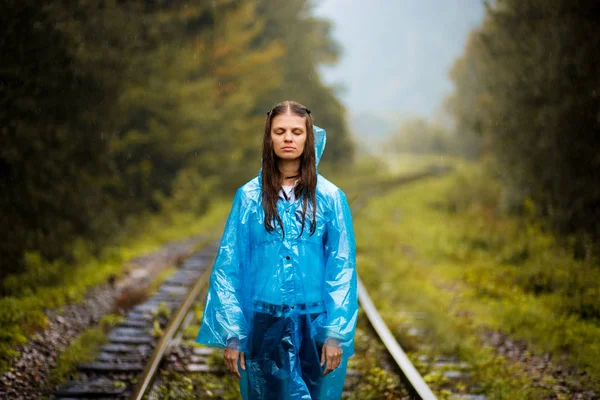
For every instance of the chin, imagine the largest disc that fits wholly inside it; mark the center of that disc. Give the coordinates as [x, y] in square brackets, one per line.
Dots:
[289, 156]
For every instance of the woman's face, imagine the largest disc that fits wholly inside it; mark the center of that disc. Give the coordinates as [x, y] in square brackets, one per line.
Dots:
[288, 133]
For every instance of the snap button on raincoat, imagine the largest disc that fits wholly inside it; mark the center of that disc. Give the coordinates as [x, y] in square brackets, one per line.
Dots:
[277, 299]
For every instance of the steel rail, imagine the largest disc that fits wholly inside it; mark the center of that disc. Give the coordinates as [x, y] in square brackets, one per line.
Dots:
[410, 374]
[408, 370]
[151, 368]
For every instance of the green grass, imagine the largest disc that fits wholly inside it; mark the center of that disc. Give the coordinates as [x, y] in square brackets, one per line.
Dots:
[47, 285]
[82, 349]
[375, 382]
[178, 386]
[407, 163]
[444, 247]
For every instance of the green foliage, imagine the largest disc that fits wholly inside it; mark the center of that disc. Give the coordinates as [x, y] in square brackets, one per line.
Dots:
[353, 179]
[196, 386]
[478, 266]
[9, 338]
[527, 84]
[374, 382]
[418, 136]
[191, 192]
[114, 110]
[163, 311]
[110, 320]
[82, 349]
[156, 329]
[159, 279]
[473, 187]
[191, 331]
[522, 247]
[22, 313]
[501, 379]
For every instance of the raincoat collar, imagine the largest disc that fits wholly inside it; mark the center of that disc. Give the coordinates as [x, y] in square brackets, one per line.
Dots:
[320, 140]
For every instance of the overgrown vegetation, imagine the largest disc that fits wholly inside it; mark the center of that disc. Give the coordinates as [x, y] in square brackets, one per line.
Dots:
[527, 84]
[376, 379]
[447, 248]
[418, 136]
[50, 285]
[114, 109]
[82, 349]
[178, 386]
[220, 385]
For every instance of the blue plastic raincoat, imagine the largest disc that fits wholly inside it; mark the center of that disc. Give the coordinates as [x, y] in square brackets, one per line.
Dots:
[277, 299]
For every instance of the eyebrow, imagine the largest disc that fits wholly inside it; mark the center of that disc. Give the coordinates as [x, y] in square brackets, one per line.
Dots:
[296, 128]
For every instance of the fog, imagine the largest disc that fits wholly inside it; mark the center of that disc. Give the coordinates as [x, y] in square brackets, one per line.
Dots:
[396, 55]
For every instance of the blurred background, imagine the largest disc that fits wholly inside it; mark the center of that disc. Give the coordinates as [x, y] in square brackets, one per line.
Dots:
[128, 125]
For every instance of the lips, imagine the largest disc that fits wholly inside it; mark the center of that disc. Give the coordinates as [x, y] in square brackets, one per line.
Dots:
[288, 148]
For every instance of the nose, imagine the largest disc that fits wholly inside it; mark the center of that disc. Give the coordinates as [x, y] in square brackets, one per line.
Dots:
[287, 137]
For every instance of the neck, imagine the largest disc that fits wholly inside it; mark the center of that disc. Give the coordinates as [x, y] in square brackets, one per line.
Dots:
[288, 168]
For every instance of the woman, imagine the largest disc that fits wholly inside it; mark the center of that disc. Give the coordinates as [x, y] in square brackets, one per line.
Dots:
[282, 300]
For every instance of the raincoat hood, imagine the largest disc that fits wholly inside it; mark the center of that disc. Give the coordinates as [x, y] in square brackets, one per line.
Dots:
[320, 141]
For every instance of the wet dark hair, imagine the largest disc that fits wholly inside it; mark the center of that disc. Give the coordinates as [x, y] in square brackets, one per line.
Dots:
[271, 176]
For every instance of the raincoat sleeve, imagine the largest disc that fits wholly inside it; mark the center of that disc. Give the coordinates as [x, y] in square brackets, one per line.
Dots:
[341, 298]
[223, 323]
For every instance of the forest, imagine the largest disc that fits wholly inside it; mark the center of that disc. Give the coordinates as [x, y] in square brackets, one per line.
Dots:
[113, 109]
[527, 84]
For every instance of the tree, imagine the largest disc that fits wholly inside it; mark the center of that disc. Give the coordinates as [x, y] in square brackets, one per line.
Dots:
[532, 85]
[112, 108]
[418, 136]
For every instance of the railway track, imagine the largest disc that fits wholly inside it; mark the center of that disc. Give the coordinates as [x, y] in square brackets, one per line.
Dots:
[148, 349]
[137, 363]
[139, 341]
